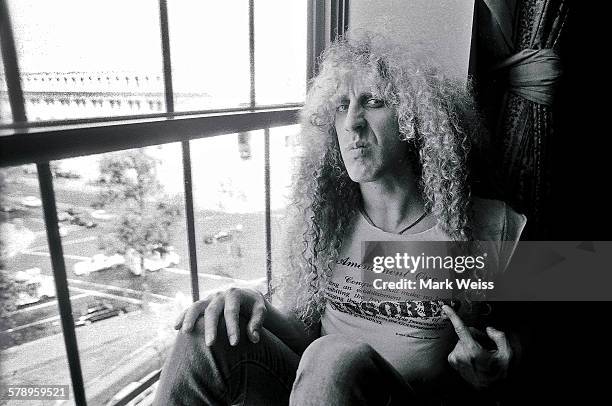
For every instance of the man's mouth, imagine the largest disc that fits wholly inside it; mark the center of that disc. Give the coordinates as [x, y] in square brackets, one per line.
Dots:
[359, 150]
[359, 145]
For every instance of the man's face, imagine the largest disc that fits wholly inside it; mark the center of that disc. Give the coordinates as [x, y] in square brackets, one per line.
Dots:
[368, 133]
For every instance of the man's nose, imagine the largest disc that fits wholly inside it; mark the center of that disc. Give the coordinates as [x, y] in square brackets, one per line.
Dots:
[354, 118]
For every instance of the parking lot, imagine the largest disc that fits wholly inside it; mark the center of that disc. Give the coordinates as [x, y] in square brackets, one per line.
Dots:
[220, 262]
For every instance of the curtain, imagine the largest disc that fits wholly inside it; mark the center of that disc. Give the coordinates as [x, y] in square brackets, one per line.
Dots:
[516, 65]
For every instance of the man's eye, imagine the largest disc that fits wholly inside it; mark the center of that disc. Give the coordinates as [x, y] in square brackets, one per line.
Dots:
[342, 107]
[373, 102]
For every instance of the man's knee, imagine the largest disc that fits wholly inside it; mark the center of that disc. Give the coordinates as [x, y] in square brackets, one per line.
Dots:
[198, 334]
[336, 355]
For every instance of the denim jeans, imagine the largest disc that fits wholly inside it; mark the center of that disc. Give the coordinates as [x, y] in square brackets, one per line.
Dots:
[334, 370]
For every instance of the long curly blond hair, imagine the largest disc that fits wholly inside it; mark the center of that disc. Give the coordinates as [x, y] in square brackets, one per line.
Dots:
[436, 116]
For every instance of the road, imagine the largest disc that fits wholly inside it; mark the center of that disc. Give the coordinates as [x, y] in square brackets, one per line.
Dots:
[104, 348]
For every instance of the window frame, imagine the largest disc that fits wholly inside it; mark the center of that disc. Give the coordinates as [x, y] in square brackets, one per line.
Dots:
[23, 142]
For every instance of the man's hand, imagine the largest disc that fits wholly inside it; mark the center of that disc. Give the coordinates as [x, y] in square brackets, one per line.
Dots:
[477, 365]
[231, 303]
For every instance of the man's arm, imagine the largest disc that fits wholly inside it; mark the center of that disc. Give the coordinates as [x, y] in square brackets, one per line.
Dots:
[234, 302]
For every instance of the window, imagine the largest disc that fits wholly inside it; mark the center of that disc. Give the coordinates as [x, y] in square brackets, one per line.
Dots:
[30, 329]
[88, 59]
[203, 112]
[279, 80]
[209, 42]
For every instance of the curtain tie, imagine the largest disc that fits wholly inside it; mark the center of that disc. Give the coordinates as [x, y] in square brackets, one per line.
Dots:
[533, 74]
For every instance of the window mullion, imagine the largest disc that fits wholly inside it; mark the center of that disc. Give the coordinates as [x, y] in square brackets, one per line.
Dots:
[345, 16]
[252, 51]
[61, 142]
[167, 62]
[339, 18]
[186, 152]
[267, 212]
[190, 219]
[47, 194]
[315, 36]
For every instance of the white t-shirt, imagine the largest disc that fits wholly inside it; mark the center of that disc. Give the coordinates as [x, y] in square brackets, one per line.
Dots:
[411, 335]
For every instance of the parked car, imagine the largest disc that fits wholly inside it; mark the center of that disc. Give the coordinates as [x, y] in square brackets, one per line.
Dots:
[102, 215]
[32, 287]
[65, 173]
[156, 260]
[73, 211]
[99, 312]
[223, 236]
[159, 260]
[79, 221]
[8, 208]
[98, 262]
[31, 201]
[64, 216]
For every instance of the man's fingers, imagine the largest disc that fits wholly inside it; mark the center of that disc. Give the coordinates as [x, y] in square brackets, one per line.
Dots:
[191, 315]
[231, 314]
[499, 337]
[211, 318]
[257, 318]
[462, 331]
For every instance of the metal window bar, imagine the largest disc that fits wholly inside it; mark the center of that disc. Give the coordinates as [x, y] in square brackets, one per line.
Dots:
[339, 18]
[26, 128]
[267, 213]
[315, 36]
[345, 16]
[186, 151]
[45, 180]
[252, 52]
[43, 144]
[267, 216]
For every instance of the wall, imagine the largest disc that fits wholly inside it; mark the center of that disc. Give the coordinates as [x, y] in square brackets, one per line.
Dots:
[444, 27]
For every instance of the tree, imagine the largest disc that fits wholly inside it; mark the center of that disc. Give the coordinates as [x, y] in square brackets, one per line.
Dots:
[129, 184]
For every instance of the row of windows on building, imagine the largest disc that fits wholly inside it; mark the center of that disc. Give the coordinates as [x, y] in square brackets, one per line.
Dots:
[50, 78]
[155, 105]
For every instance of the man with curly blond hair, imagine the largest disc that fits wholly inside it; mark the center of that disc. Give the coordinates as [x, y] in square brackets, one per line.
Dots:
[386, 145]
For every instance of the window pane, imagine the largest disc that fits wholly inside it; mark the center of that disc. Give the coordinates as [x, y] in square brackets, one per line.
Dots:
[88, 59]
[283, 151]
[228, 173]
[31, 343]
[126, 255]
[280, 51]
[209, 42]
[5, 107]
